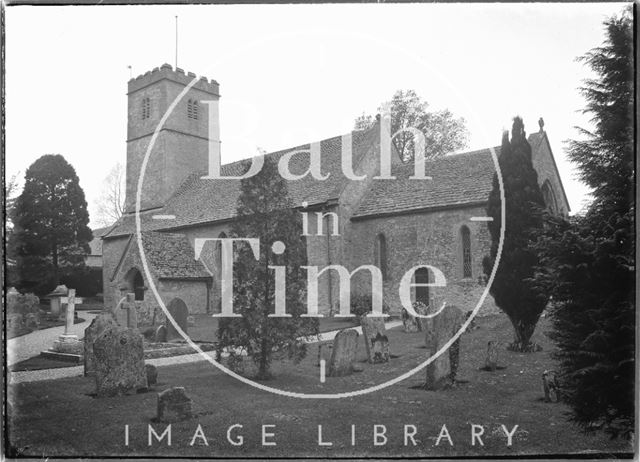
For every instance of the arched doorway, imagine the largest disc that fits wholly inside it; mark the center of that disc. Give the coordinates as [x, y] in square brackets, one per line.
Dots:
[134, 283]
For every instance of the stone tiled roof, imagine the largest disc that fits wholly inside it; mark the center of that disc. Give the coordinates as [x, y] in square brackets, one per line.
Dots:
[96, 243]
[171, 257]
[201, 201]
[458, 179]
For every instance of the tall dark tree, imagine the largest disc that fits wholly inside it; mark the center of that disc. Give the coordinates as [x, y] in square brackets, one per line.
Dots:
[588, 264]
[265, 212]
[50, 219]
[512, 289]
[443, 132]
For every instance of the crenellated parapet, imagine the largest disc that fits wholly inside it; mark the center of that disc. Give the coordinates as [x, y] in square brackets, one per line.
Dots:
[167, 72]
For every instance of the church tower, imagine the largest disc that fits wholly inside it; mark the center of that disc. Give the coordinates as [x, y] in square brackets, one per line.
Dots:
[181, 147]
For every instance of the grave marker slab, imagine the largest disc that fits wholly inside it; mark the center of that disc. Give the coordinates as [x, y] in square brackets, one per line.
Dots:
[119, 362]
[491, 362]
[99, 324]
[343, 353]
[440, 329]
[173, 405]
[375, 339]
[179, 311]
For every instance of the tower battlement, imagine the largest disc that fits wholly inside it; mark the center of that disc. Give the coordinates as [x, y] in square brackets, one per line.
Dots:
[167, 72]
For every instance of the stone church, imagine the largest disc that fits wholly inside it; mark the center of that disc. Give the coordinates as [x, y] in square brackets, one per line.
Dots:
[393, 224]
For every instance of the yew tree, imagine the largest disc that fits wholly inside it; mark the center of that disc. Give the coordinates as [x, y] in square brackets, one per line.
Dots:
[512, 288]
[264, 211]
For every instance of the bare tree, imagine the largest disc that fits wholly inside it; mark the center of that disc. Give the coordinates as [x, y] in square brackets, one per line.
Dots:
[110, 205]
[11, 190]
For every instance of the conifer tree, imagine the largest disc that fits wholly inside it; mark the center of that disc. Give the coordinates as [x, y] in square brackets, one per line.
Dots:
[265, 212]
[588, 263]
[50, 218]
[512, 289]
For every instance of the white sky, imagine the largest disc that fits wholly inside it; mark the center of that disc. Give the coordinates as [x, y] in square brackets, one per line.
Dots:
[290, 74]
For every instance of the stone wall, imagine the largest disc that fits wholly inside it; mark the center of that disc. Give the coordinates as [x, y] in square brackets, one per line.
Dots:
[425, 238]
[545, 166]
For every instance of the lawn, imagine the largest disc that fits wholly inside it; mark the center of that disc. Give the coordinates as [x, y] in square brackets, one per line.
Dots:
[62, 418]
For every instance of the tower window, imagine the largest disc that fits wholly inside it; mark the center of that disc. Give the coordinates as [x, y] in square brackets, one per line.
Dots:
[192, 109]
[465, 236]
[146, 108]
[380, 254]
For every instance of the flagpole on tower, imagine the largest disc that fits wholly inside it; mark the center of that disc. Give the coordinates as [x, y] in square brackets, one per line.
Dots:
[176, 41]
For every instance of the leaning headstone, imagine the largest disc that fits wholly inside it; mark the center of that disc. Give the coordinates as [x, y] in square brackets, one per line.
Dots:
[173, 405]
[491, 362]
[440, 329]
[375, 339]
[91, 333]
[119, 362]
[343, 353]
[161, 334]
[550, 387]
[179, 312]
[152, 374]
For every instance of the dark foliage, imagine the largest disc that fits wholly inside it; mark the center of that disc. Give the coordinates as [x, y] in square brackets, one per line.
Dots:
[588, 263]
[50, 220]
[512, 290]
[264, 211]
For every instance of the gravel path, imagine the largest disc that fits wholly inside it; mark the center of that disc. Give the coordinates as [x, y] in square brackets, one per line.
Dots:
[30, 345]
[76, 371]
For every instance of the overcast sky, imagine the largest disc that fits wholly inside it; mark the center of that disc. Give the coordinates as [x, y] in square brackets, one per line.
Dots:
[290, 74]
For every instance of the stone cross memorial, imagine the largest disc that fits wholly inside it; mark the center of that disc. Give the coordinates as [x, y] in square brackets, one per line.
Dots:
[343, 353]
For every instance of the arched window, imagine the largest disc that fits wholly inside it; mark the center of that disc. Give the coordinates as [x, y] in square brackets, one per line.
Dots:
[380, 254]
[222, 235]
[421, 276]
[146, 108]
[465, 238]
[138, 286]
[549, 197]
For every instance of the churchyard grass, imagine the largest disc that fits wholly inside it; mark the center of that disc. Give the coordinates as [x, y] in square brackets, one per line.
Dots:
[62, 417]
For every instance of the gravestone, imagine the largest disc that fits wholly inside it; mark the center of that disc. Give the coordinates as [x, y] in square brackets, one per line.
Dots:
[550, 387]
[409, 323]
[423, 310]
[440, 329]
[152, 374]
[375, 339]
[161, 334]
[99, 324]
[179, 311]
[491, 362]
[173, 405]
[343, 353]
[129, 307]
[119, 362]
